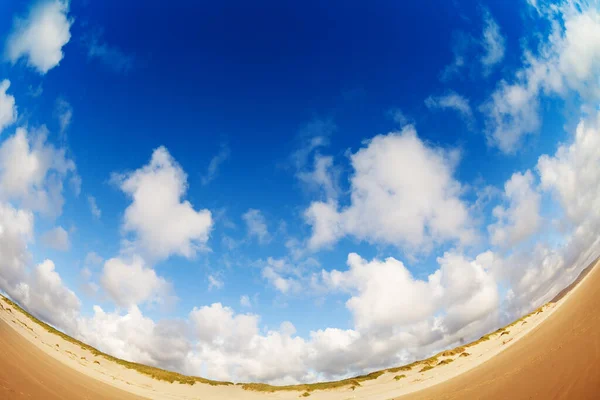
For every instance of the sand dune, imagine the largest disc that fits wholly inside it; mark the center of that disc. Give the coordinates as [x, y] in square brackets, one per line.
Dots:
[554, 353]
[26, 372]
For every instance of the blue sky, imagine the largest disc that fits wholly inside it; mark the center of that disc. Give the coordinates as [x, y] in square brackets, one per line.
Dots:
[422, 136]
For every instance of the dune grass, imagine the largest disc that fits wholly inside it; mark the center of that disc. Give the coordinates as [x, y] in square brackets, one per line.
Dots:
[306, 389]
[426, 368]
[453, 352]
[398, 377]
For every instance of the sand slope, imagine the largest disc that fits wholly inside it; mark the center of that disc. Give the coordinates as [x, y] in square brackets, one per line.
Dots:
[560, 359]
[26, 372]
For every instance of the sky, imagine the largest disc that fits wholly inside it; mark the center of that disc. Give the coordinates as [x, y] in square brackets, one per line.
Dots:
[295, 192]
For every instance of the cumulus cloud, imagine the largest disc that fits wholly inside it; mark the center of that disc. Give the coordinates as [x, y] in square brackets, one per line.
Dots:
[135, 337]
[386, 298]
[492, 42]
[163, 224]
[521, 218]
[8, 108]
[16, 231]
[453, 101]
[56, 238]
[44, 294]
[566, 62]
[402, 193]
[32, 171]
[256, 225]
[40, 37]
[131, 282]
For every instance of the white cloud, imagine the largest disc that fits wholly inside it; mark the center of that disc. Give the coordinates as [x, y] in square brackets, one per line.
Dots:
[284, 285]
[40, 37]
[567, 62]
[245, 301]
[132, 336]
[131, 282]
[214, 282]
[324, 176]
[493, 43]
[256, 225]
[16, 231]
[572, 174]
[522, 218]
[452, 101]
[56, 238]
[215, 163]
[386, 298]
[402, 193]
[94, 209]
[8, 108]
[64, 113]
[32, 171]
[231, 347]
[163, 224]
[45, 295]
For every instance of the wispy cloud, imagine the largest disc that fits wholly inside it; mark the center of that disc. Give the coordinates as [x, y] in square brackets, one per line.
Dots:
[96, 212]
[215, 163]
[453, 101]
[492, 42]
[111, 56]
[63, 111]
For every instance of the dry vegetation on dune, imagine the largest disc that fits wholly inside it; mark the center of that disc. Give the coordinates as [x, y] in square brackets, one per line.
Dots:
[306, 389]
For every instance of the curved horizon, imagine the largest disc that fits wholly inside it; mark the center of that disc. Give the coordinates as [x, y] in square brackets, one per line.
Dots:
[287, 194]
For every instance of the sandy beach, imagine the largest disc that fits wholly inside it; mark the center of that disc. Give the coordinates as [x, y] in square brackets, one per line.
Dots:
[553, 353]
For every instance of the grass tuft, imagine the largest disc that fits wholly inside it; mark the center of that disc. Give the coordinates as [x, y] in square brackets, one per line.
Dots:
[465, 354]
[446, 361]
[453, 352]
[426, 368]
[398, 377]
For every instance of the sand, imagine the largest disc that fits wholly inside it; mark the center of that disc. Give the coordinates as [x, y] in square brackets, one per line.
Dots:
[555, 354]
[28, 373]
[560, 359]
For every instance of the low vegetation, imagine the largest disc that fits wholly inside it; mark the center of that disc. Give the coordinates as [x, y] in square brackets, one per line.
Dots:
[453, 352]
[306, 389]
